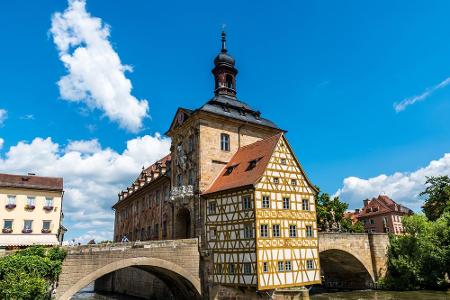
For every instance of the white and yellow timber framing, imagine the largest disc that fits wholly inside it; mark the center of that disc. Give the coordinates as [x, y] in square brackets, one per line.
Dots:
[225, 228]
[297, 250]
[226, 238]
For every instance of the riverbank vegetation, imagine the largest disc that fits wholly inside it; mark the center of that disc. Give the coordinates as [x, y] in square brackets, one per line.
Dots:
[30, 273]
[420, 259]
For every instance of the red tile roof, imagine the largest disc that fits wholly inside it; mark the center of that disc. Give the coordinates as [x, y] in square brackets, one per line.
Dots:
[163, 161]
[31, 182]
[241, 174]
[380, 205]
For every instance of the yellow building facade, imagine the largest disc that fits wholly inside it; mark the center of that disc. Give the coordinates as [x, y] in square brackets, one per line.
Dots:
[30, 210]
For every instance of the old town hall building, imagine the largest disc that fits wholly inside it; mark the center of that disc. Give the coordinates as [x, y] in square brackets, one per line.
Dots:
[233, 181]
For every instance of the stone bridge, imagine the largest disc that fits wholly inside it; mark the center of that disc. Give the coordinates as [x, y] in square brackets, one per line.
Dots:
[175, 262]
[347, 261]
[352, 260]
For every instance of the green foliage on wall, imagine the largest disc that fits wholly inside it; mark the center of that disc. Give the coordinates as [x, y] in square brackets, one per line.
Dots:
[29, 273]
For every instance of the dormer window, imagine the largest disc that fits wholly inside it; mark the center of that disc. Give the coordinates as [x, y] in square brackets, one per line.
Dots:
[225, 142]
[230, 169]
[252, 164]
[229, 81]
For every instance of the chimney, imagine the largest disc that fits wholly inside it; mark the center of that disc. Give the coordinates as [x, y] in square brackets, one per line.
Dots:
[357, 210]
[366, 202]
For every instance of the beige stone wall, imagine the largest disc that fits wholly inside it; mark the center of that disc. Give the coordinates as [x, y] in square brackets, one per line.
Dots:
[209, 145]
[19, 214]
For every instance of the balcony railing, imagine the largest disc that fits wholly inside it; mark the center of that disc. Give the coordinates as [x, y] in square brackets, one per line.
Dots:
[179, 192]
[30, 207]
[45, 230]
[7, 230]
[27, 230]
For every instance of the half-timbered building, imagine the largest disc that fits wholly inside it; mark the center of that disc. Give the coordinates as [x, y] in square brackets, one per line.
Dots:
[236, 184]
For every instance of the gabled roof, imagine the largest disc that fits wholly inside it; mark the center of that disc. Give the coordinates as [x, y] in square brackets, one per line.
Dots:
[31, 182]
[241, 174]
[380, 205]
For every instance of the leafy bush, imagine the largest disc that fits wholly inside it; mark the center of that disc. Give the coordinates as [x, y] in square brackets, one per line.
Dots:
[420, 259]
[28, 274]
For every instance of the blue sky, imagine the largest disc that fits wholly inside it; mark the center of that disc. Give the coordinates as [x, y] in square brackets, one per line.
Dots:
[329, 72]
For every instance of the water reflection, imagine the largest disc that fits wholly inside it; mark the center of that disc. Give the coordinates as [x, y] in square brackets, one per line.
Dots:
[383, 295]
[88, 294]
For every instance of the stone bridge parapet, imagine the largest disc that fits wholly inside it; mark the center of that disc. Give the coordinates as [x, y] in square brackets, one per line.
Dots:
[176, 261]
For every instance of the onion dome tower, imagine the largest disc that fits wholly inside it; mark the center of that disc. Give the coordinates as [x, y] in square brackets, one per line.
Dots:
[224, 72]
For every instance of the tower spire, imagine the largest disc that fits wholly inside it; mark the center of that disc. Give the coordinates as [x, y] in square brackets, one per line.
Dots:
[224, 40]
[224, 71]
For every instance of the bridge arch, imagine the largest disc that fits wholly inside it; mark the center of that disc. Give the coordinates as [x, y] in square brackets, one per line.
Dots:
[183, 282]
[345, 269]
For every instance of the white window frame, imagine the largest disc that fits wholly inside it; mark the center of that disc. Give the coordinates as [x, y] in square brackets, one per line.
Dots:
[225, 142]
[309, 231]
[292, 231]
[288, 266]
[309, 264]
[286, 200]
[266, 201]
[264, 230]
[248, 231]
[276, 230]
[246, 202]
[280, 266]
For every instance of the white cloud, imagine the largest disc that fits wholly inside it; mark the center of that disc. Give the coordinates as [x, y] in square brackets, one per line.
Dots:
[27, 117]
[96, 75]
[2, 141]
[88, 147]
[403, 187]
[92, 176]
[3, 116]
[400, 106]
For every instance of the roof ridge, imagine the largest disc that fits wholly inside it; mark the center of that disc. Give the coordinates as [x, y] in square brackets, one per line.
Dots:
[260, 141]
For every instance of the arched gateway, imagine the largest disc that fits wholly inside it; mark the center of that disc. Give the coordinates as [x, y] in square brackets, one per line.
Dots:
[176, 263]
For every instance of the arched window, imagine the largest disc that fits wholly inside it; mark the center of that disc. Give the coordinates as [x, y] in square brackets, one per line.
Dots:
[229, 81]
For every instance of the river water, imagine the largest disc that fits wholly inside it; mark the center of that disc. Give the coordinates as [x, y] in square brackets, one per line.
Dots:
[88, 294]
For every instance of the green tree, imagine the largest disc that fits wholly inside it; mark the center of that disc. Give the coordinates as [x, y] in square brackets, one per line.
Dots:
[437, 195]
[28, 274]
[420, 258]
[332, 209]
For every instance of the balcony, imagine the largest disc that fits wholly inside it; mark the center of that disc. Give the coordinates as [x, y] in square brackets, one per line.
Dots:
[30, 207]
[48, 208]
[45, 230]
[180, 192]
[27, 230]
[10, 206]
[7, 230]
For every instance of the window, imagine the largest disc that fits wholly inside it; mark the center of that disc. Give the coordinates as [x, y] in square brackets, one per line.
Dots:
[46, 225]
[276, 230]
[286, 203]
[7, 224]
[280, 266]
[305, 204]
[252, 164]
[191, 177]
[266, 201]
[229, 81]
[191, 143]
[158, 197]
[309, 264]
[11, 199]
[292, 231]
[247, 268]
[231, 269]
[48, 202]
[27, 225]
[293, 181]
[372, 221]
[276, 180]
[264, 230]
[283, 161]
[265, 267]
[246, 202]
[212, 207]
[212, 233]
[248, 231]
[288, 266]
[309, 231]
[180, 179]
[164, 229]
[225, 142]
[31, 201]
